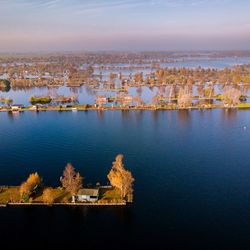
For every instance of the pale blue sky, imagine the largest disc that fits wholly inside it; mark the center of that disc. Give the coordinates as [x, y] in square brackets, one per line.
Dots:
[49, 25]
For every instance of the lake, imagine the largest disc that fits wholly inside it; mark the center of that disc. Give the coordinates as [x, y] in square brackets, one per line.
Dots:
[192, 172]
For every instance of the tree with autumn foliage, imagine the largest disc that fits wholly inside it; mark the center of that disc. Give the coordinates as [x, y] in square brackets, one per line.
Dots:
[48, 196]
[184, 99]
[30, 185]
[121, 178]
[138, 77]
[71, 180]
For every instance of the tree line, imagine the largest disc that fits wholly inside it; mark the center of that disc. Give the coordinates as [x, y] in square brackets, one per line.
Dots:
[189, 76]
[72, 182]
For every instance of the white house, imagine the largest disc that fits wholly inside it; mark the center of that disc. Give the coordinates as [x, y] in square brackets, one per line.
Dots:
[87, 194]
[16, 107]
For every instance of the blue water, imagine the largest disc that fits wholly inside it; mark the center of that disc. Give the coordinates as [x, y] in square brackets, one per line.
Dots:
[192, 173]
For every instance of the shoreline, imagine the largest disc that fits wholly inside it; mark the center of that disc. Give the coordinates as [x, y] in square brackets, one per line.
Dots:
[94, 204]
[10, 196]
[120, 108]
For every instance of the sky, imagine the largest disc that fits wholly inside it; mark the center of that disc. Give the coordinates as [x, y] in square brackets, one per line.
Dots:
[90, 25]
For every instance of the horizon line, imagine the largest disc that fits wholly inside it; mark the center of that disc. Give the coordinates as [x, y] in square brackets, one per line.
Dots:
[123, 51]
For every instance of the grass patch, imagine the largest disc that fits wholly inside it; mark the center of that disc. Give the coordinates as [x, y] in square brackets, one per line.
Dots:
[12, 194]
[243, 105]
[110, 195]
[59, 196]
[9, 194]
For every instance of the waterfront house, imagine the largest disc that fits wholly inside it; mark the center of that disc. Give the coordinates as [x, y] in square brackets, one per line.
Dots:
[16, 107]
[67, 106]
[127, 100]
[101, 100]
[33, 108]
[87, 194]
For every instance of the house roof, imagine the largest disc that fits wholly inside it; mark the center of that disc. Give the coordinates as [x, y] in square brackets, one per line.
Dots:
[17, 105]
[88, 191]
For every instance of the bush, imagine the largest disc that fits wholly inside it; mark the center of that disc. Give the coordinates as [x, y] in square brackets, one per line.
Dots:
[31, 186]
[65, 200]
[25, 198]
[129, 198]
[48, 196]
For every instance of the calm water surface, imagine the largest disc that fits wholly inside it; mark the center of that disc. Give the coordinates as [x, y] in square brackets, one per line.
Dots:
[192, 172]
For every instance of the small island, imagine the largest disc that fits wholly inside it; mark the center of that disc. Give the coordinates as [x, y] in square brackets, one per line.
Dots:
[72, 191]
[5, 85]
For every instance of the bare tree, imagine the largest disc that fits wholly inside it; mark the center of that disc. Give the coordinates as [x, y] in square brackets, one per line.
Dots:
[71, 180]
[231, 96]
[184, 99]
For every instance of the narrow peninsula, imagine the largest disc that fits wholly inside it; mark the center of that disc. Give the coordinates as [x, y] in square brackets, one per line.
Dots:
[72, 192]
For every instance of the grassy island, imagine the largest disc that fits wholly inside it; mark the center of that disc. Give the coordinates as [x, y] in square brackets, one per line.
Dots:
[5, 85]
[40, 99]
[72, 191]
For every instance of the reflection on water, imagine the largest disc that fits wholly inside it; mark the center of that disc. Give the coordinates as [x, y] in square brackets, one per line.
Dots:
[155, 115]
[100, 115]
[14, 115]
[126, 115]
[228, 115]
[191, 172]
[87, 95]
[184, 116]
[5, 89]
[138, 115]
